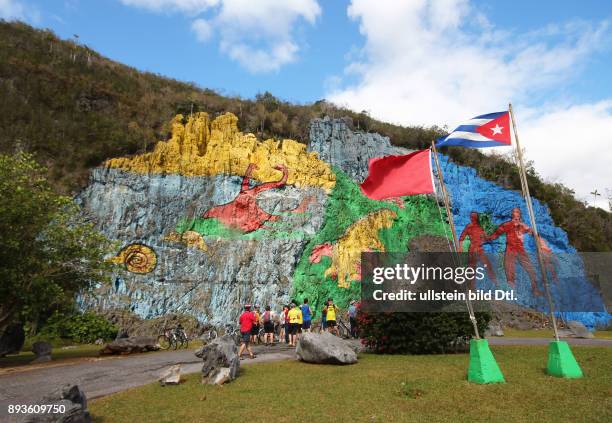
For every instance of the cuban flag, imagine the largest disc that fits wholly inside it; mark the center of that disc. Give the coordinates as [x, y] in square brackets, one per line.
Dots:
[490, 130]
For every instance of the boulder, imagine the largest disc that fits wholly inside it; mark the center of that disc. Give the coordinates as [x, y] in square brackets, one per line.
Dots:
[221, 361]
[324, 348]
[42, 350]
[171, 376]
[70, 396]
[11, 341]
[131, 345]
[579, 330]
[494, 329]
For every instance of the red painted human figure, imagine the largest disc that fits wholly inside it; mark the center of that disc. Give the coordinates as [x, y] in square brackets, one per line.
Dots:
[477, 237]
[243, 212]
[515, 230]
[549, 259]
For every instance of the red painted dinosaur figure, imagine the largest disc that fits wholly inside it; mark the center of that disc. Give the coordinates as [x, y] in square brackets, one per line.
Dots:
[243, 212]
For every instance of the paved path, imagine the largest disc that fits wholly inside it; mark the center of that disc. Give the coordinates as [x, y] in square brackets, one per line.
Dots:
[104, 376]
[545, 341]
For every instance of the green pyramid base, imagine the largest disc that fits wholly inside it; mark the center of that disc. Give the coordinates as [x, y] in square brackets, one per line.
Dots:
[483, 367]
[561, 361]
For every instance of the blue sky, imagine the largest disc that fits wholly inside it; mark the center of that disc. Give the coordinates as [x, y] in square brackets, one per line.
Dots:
[409, 62]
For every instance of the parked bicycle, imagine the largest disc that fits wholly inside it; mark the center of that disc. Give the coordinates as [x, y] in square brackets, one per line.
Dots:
[343, 330]
[209, 334]
[173, 339]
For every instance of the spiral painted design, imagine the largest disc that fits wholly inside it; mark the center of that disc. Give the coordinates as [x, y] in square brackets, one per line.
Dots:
[138, 258]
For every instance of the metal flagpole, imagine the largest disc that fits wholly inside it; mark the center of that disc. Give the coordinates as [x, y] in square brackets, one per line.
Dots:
[454, 232]
[536, 235]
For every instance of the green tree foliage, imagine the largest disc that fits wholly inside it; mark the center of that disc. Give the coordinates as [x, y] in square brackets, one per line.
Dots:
[418, 333]
[78, 327]
[48, 252]
[74, 108]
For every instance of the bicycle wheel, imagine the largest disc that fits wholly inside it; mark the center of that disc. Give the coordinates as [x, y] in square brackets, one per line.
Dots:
[174, 342]
[184, 341]
[164, 342]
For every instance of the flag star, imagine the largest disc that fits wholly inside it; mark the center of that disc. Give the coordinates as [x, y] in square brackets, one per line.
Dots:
[497, 129]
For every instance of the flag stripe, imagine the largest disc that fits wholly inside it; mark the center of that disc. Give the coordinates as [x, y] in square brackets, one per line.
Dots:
[476, 122]
[462, 142]
[473, 136]
[491, 116]
[466, 128]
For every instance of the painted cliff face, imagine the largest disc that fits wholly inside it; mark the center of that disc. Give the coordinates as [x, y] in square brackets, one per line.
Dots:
[213, 218]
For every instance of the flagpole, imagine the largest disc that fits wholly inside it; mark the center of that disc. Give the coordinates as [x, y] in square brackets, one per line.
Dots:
[453, 230]
[536, 235]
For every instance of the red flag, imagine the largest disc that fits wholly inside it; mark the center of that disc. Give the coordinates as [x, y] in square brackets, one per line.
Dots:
[396, 176]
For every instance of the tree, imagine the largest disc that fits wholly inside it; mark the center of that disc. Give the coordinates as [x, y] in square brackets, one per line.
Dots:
[48, 251]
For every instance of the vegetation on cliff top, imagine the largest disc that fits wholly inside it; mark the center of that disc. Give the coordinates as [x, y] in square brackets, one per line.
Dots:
[74, 108]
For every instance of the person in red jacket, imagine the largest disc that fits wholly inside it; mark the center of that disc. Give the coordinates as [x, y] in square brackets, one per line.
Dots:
[247, 321]
[515, 230]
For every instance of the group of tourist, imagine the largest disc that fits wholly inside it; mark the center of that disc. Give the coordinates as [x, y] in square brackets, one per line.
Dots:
[289, 323]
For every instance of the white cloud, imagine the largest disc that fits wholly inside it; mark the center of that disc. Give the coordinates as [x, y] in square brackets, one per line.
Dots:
[202, 29]
[260, 35]
[440, 62]
[188, 6]
[572, 145]
[11, 10]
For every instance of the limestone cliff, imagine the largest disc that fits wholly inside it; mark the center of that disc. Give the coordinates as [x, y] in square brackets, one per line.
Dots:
[213, 218]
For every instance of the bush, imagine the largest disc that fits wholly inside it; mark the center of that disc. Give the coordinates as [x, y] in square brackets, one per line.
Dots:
[83, 328]
[418, 333]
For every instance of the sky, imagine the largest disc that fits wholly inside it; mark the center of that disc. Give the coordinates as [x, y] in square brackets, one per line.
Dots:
[411, 62]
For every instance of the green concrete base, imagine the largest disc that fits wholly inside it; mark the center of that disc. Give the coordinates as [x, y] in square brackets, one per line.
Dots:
[561, 361]
[483, 367]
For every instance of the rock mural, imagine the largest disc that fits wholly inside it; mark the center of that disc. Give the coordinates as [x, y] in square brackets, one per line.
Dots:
[213, 218]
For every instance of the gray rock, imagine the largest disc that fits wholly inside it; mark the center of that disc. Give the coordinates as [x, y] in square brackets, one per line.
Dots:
[42, 350]
[356, 345]
[71, 397]
[579, 330]
[11, 341]
[351, 151]
[221, 361]
[135, 208]
[131, 345]
[324, 348]
[171, 376]
[494, 329]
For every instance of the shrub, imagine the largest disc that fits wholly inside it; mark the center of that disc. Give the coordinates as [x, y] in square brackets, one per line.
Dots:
[82, 328]
[418, 333]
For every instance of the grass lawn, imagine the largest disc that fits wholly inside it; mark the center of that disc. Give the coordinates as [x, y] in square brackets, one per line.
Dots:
[58, 354]
[435, 390]
[26, 357]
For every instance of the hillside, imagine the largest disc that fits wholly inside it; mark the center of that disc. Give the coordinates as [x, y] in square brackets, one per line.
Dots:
[74, 109]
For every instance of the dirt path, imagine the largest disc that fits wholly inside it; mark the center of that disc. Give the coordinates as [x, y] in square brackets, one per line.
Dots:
[104, 376]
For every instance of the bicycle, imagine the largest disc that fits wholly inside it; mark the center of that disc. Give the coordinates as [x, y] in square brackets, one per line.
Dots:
[233, 331]
[343, 330]
[209, 335]
[173, 338]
